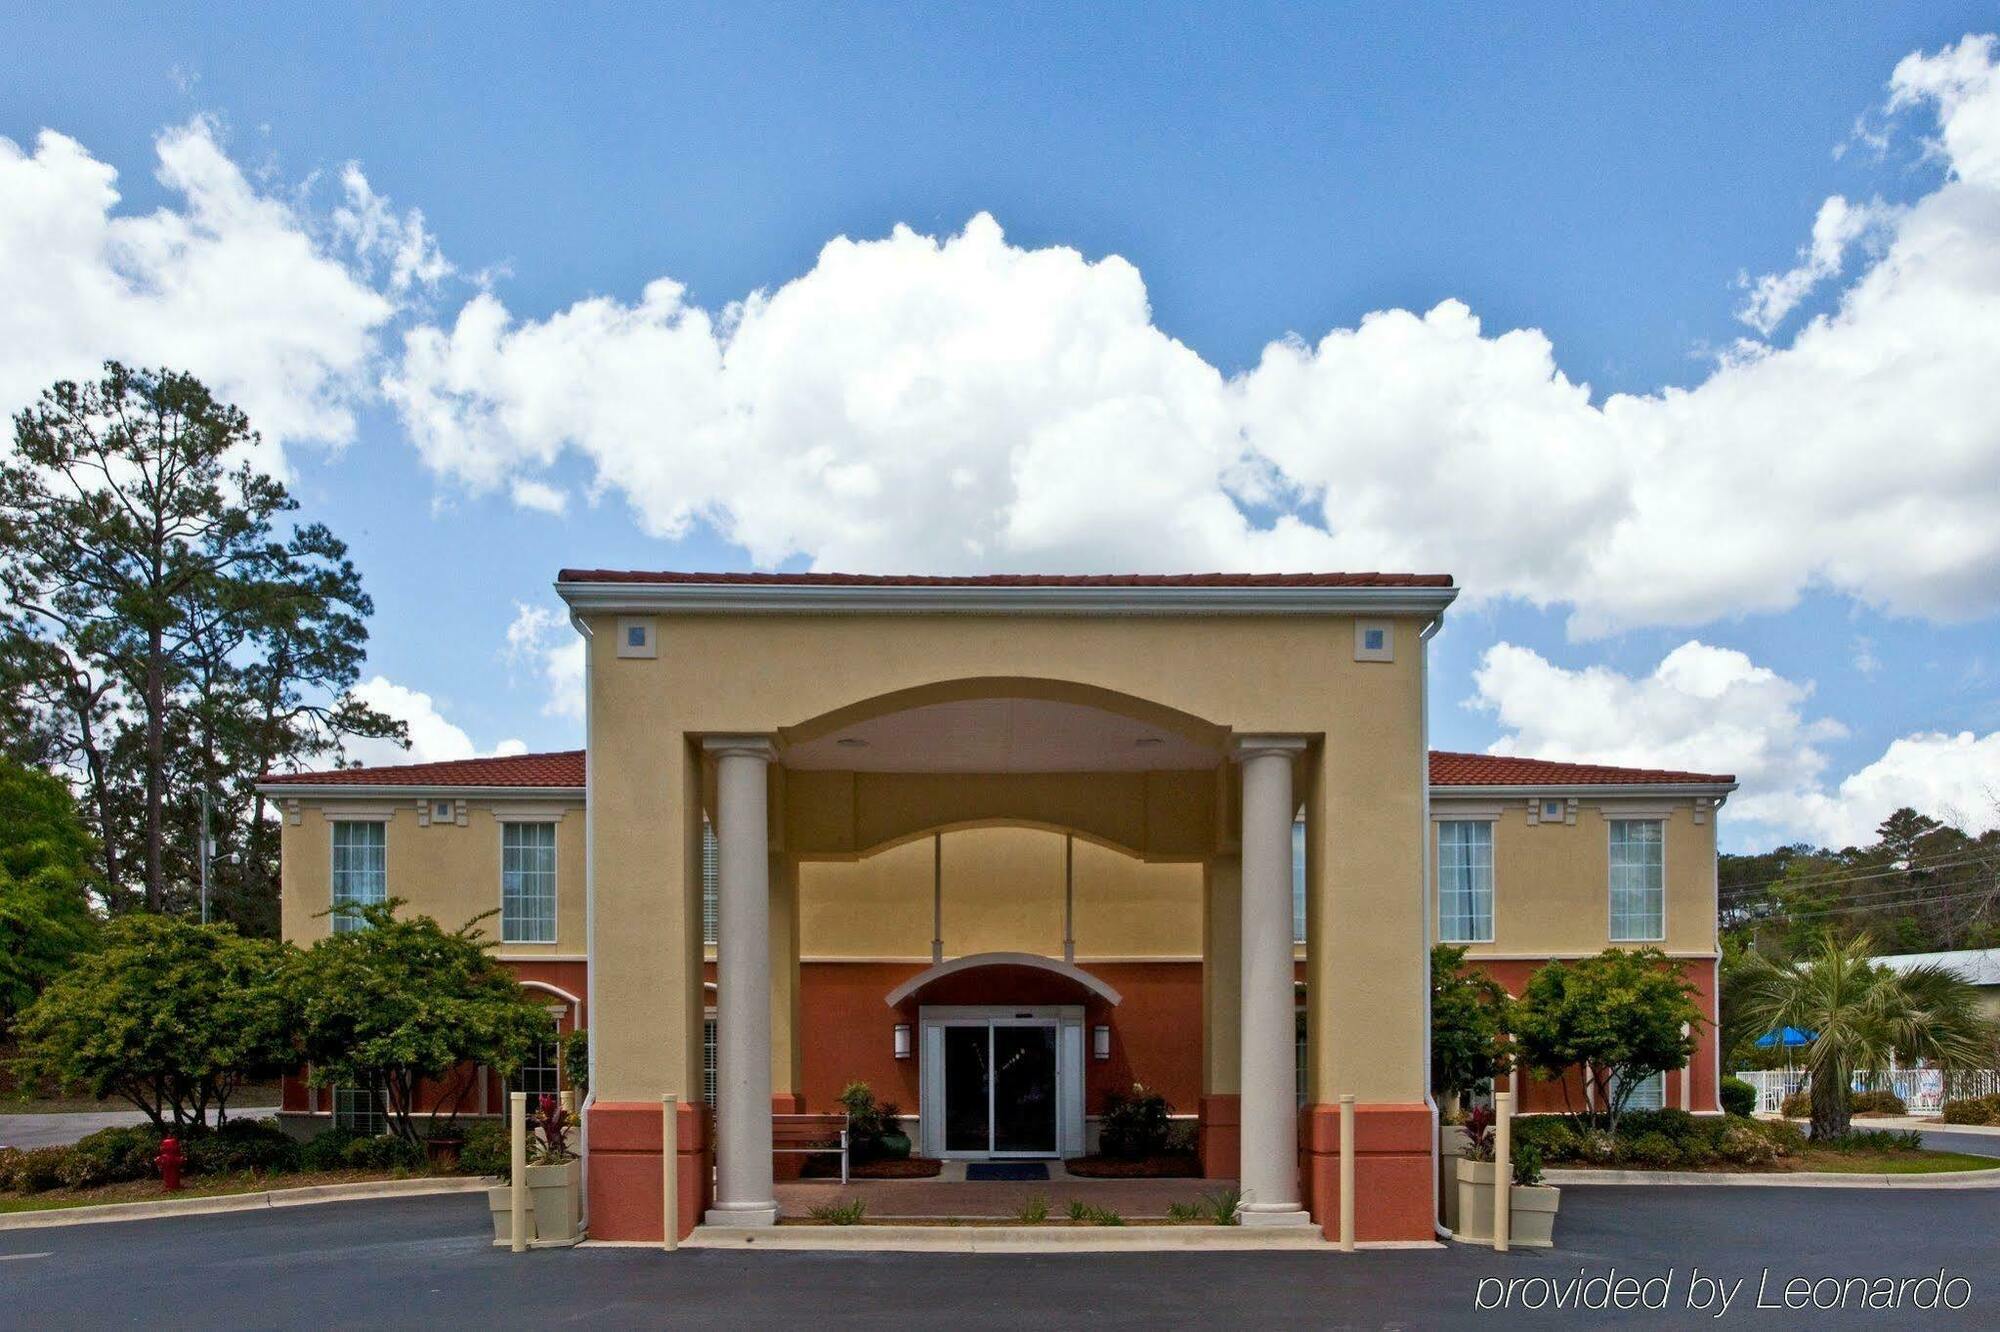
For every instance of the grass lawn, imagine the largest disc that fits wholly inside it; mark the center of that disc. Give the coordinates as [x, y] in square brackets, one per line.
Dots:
[149, 1190]
[1886, 1163]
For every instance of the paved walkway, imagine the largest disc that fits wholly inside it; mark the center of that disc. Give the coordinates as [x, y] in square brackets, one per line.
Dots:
[951, 1194]
[55, 1130]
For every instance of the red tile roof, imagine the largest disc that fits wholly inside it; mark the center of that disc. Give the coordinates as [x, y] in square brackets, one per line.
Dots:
[566, 769]
[1009, 580]
[1497, 770]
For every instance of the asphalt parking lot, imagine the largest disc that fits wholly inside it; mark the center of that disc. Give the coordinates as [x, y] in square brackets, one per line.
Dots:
[428, 1262]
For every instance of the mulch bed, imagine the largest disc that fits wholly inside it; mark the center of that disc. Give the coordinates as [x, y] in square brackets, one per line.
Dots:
[1167, 1165]
[912, 1167]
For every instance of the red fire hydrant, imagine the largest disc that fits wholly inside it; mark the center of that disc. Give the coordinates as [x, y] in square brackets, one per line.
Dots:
[170, 1164]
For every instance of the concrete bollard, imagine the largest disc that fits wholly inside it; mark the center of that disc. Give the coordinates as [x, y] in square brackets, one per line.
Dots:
[1347, 1172]
[1503, 1168]
[670, 1173]
[517, 1113]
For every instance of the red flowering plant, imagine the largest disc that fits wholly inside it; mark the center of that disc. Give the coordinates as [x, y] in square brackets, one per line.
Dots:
[550, 1127]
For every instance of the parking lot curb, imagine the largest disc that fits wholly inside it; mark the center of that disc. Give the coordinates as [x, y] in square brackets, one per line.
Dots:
[1943, 1179]
[238, 1202]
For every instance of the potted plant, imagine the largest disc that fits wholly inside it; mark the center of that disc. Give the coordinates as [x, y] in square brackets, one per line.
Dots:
[555, 1175]
[1531, 1204]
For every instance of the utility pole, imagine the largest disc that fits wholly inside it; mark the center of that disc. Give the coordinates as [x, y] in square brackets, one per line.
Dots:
[207, 844]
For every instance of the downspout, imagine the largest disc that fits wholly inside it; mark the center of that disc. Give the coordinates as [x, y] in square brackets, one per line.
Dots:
[1424, 837]
[582, 626]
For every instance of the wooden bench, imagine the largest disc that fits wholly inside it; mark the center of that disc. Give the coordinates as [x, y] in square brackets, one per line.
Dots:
[810, 1135]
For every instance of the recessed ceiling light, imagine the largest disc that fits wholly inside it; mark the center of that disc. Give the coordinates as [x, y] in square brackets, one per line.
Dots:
[851, 742]
[1149, 742]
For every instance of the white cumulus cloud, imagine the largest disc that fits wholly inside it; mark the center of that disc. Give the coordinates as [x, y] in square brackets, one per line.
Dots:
[959, 403]
[433, 738]
[1713, 709]
[276, 310]
[541, 640]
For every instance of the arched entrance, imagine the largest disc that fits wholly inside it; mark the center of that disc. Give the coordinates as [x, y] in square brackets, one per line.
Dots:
[1001, 1043]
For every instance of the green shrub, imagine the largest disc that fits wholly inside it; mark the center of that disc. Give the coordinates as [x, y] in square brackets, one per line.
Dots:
[488, 1150]
[1135, 1123]
[576, 1062]
[1555, 1137]
[328, 1151]
[1738, 1097]
[874, 1131]
[1797, 1106]
[1789, 1139]
[1875, 1140]
[1652, 1151]
[386, 1152]
[1883, 1102]
[111, 1156]
[1742, 1142]
[1973, 1110]
[1674, 1125]
[36, 1170]
[242, 1144]
[1527, 1164]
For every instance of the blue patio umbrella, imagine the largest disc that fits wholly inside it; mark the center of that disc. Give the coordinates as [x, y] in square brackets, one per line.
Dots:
[1787, 1037]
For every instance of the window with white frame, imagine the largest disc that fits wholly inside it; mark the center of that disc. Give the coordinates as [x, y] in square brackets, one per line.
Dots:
[1649, 1093]
[362, 1110]
[360, 869]
[708, 1060]
[1465, 881]
[709, 881]
[540, 1073]
[528, 882]
[1638, 879]
[1299, 881]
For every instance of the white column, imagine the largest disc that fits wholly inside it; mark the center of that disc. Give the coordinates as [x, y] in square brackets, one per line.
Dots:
[744, 1195]
[1270, 1108]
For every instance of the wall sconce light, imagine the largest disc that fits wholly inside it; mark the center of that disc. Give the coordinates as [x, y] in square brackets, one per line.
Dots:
[902, 1040]
[1100, 1042]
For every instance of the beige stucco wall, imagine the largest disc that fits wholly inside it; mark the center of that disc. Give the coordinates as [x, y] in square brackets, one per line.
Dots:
[1552, 881]
[444, 871]
[1003, 892]
[763, 673]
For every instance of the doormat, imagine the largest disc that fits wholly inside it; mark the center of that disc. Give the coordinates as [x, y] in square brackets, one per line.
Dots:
[1012, 1172]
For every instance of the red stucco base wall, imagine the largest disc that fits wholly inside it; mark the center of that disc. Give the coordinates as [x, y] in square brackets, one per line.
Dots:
[626, 1183]
[1392, 1170]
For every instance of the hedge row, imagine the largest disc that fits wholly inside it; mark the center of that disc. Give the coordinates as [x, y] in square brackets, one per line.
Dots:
[117, 1155]
[1973, 1110]
[1884, 1102]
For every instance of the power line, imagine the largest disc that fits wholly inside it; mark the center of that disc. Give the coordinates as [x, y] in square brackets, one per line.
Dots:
[1787, 917]
[1882, 896]
[1838, 877]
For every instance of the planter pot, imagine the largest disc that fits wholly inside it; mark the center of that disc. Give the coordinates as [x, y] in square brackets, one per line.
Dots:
[894, 1147]
[1533, 1224]
[1453, 1143]
[556, 1194]
[1531, 1207]
[442, 1153]
[500, 1201]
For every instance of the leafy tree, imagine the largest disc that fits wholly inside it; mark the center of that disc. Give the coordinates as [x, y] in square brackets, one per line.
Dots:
[45, 917]
[167, 1014]
[158, 635]
[406, 1006]
[1620, 1017]
[1469, 1011]
[1860, 1014]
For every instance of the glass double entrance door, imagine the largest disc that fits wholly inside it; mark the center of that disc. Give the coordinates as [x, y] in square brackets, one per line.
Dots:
[1000, 1087]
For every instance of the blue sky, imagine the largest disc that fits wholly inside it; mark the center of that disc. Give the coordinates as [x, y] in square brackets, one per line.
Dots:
[1604, 181]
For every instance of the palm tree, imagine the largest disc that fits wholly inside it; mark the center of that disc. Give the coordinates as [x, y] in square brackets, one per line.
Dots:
[1861, 1014]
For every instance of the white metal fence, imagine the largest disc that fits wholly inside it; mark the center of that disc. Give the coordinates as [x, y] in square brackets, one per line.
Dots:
[1923, 1090]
